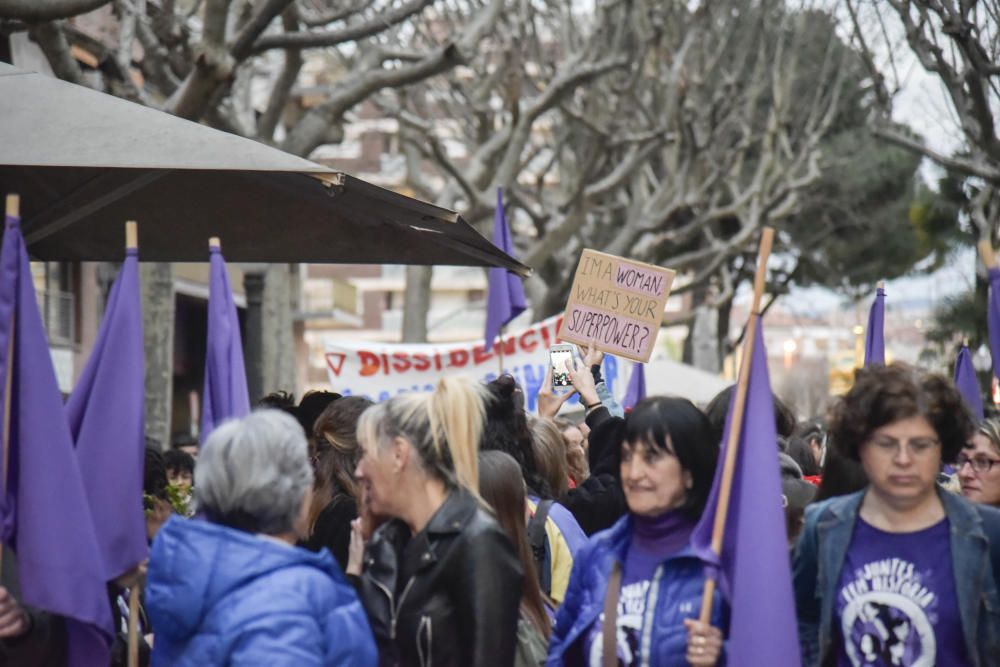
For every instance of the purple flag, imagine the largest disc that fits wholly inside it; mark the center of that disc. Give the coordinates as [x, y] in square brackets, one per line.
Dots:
[225, 395]
[968, 384]
[636, 390]
[993, 318]
[505, 298]
[46, 516]
[754, 569]
[106, 420]
[875, 333]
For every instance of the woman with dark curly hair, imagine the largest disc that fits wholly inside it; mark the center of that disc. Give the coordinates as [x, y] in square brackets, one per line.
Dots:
[901, 572]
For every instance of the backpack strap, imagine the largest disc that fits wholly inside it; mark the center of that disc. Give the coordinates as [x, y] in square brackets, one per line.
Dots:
[537, 539]
[609, 633]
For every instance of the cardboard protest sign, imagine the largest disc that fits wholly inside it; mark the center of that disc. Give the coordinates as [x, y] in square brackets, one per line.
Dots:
[616, 303]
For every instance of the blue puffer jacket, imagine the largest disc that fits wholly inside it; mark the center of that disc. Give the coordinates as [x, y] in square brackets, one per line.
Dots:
[219, 596]
[675, 594]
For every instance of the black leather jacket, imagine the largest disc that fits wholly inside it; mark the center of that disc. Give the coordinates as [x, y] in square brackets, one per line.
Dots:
[460, 606]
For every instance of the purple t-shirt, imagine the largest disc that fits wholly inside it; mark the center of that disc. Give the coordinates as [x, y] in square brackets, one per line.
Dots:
[653, 541]
[896, 603]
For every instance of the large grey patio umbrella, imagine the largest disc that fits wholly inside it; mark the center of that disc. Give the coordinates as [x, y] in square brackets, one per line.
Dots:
[84, 162]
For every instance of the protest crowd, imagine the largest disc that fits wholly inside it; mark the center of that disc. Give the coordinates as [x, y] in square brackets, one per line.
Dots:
[456, 528]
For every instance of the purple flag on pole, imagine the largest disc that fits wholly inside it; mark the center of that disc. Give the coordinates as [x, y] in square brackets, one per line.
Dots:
[875, 333]
[754, 569]
[968, 384]
[505, 296]
[226, 395]
[993, 318]
[46, 516]
[106, 420]
[636, 390]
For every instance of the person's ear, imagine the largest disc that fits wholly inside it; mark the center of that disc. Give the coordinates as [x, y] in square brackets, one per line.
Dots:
[688, 480]
[401, 452]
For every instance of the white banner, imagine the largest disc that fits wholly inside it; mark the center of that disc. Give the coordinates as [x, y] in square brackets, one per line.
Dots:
[378, 370]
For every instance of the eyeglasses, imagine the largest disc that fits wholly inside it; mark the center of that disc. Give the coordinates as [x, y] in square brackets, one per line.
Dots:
[917, 447]
[978, 463]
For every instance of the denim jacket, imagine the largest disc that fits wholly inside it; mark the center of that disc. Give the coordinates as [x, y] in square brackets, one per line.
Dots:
[975, 553]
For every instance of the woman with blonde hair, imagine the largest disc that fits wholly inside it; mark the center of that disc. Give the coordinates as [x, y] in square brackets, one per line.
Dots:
[978, 464]
[441, 583]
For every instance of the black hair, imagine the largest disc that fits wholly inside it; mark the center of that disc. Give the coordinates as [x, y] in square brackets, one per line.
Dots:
[176, 460]
[841, 476]
[718, 409]
[311, 407]
[507, 430]
[656, 420]
[278, 400]
[154, 480]
[800, 452]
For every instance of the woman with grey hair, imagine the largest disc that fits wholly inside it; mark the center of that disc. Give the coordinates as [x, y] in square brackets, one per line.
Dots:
[234, 590]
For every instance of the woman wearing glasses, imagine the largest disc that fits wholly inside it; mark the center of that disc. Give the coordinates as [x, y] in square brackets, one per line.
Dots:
[979, 465]
[900, 573]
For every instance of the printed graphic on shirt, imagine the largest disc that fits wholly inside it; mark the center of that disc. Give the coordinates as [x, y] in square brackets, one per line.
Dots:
[631, 607]
[888, 615]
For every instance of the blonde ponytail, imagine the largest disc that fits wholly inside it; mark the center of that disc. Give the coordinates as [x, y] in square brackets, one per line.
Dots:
[457, 417]
[445, 428]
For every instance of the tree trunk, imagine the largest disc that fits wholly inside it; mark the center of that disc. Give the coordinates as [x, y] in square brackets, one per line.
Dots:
[705, 339]
[276, 340]
[158, 327]
[253, 343]
[416, 303]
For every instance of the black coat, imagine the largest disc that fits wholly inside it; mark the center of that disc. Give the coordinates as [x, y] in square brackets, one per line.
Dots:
[456, 602]
[599, 500]
[333, 528]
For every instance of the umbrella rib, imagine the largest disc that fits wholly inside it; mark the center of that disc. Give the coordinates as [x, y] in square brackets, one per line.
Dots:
[92, 196]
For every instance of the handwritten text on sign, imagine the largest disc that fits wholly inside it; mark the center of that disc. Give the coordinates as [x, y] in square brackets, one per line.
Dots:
[616, 303]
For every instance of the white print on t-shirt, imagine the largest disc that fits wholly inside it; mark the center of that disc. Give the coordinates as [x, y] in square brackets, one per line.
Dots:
[631, 607]
[885, 618]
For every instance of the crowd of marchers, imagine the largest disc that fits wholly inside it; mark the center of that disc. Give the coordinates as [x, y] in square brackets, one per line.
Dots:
[454, 528]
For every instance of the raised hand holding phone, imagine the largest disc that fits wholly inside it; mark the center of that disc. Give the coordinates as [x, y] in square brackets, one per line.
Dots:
[583, 380]
[558, 356]
[549, 402]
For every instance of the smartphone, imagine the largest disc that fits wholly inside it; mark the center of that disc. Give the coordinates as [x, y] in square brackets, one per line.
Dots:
[559, 357]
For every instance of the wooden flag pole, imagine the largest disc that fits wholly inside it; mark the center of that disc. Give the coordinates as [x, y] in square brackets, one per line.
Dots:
[132, 243]
[12, 209]
[133, 624]
[500, 351]
[131, 235]
[880, 285]
[214, 242]
[736, 425]
[986, 252]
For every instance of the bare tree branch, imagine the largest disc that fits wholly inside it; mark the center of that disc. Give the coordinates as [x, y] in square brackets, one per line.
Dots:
[350, 33]
[37, 11]
[283, 86]
[51, 38]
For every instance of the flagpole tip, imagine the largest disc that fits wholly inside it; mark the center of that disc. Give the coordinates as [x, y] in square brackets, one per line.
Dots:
[965, 342]
[13, 208]
[880, 285]
[214, 243]
[131, 235]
